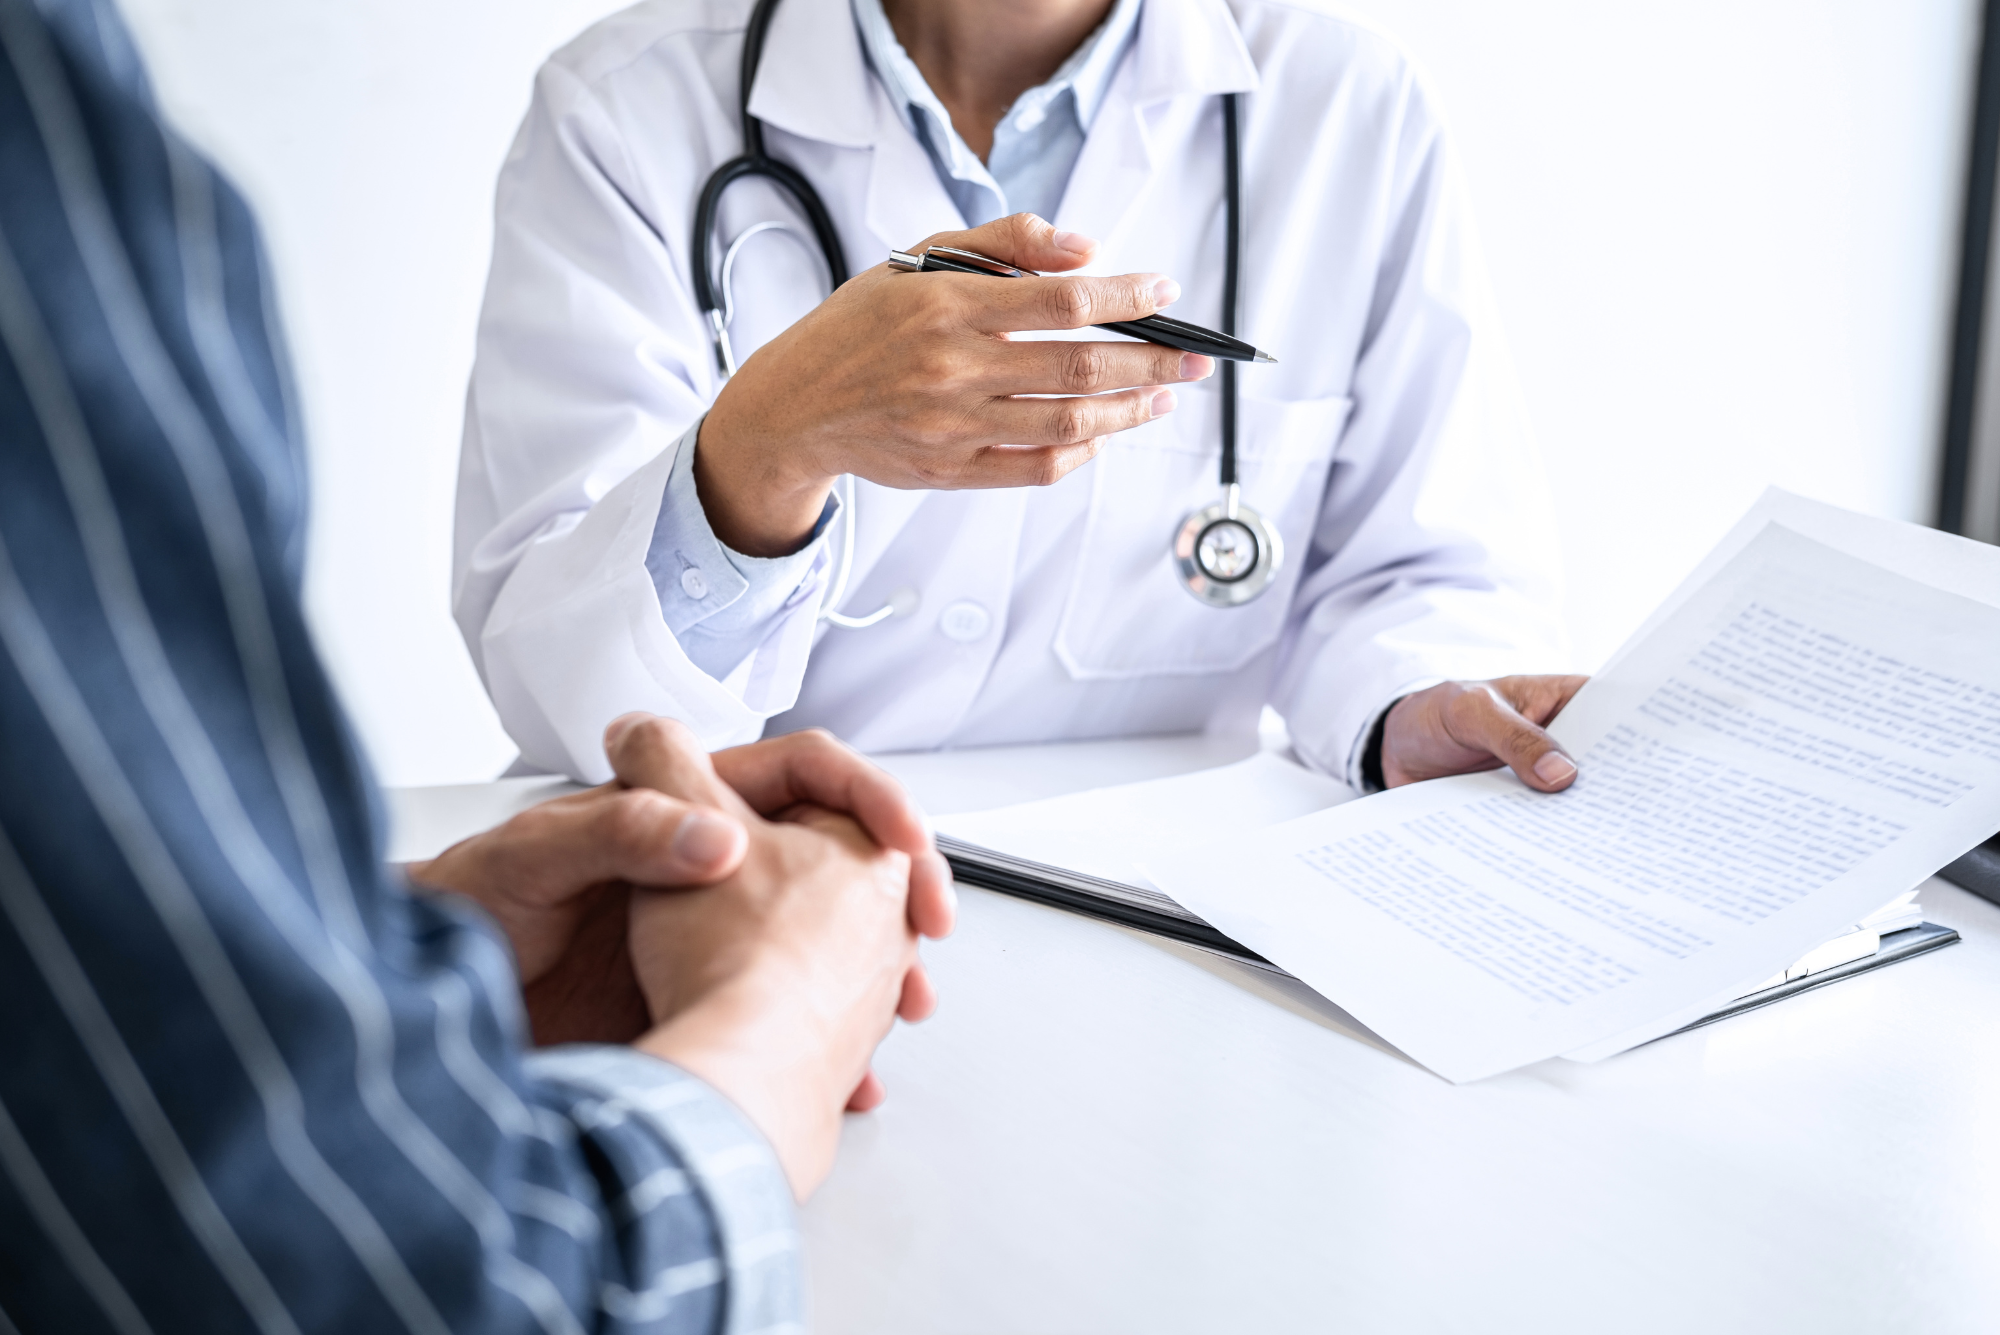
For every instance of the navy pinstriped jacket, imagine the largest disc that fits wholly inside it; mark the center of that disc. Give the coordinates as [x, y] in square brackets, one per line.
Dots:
[247, 1081]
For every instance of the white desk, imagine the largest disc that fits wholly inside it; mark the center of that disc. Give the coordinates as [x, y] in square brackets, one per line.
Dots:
[1103, 1132]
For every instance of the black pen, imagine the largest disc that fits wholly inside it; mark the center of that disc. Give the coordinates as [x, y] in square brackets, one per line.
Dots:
[1160, 329]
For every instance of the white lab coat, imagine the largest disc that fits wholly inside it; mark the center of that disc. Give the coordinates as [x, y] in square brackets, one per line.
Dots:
[1387, 445]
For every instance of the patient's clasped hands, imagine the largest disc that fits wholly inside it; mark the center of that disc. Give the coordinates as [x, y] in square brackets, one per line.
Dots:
[751, 916]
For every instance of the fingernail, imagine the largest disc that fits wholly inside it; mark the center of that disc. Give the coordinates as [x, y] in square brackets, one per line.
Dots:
[704, 839]
[1163, 403]
[1166, 292]
[1554, 768]
[1194, 366]
[1076, 243]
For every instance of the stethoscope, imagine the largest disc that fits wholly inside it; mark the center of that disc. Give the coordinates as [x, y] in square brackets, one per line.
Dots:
[1225, 554]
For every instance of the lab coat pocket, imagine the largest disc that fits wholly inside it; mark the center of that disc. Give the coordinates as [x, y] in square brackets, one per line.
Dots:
[1128, 614]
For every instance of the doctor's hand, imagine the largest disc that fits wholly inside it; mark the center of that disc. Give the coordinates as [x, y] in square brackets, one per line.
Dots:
[912, 381]
[1459, 727]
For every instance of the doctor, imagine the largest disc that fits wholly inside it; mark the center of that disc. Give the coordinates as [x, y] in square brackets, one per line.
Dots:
[639, 530]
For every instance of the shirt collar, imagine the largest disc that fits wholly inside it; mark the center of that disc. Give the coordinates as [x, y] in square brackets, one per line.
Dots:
[1089, 68]
[1086, 73]
[815, 80]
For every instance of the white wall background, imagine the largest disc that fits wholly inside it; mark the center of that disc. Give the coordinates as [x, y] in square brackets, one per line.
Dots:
[1724, 239]
[367, 134]
[1722, 234]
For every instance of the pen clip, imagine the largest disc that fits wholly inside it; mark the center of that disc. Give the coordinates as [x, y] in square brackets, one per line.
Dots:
[973, 260]
[950, 259]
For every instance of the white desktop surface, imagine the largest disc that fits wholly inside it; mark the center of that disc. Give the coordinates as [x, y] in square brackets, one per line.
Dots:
[1103, 1132]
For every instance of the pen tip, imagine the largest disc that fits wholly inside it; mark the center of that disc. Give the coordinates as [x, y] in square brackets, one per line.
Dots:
[1264, 356]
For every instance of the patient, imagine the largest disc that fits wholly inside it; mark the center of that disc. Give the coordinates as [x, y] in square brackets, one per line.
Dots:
[248, 1080]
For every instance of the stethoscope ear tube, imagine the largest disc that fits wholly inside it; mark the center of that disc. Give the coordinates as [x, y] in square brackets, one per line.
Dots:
[714, 304]
[753, 162]
[787, 178]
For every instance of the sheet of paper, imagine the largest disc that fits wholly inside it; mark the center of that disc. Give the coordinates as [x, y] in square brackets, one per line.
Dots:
[1926, 555]
[1108, 832]
[1801, 738]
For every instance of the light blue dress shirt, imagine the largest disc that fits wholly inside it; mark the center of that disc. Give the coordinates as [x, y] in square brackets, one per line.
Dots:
[1035, 145]
[718, 602]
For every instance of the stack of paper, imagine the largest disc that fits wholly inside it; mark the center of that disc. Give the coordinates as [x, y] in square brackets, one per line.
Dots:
[1083, 852]
[1806, 729]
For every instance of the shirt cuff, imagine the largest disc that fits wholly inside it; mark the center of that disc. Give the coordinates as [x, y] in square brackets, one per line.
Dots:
[732, 1166]
[703, 584]
[1358, 753]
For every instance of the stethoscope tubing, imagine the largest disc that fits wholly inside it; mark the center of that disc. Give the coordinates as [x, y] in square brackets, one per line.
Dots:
[1232, 250]
[794, 183]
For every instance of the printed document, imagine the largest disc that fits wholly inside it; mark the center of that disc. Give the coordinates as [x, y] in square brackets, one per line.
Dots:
[1800, 735]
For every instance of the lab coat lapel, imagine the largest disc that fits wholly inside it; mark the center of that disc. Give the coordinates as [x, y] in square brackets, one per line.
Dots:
[814, 82]
[1111, 172]
[906, 201]
[1184, 48]
[1188, 48]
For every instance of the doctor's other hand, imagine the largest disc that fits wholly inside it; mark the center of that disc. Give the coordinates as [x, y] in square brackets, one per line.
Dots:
[1460, 727]
[912, 381]
[558, 879]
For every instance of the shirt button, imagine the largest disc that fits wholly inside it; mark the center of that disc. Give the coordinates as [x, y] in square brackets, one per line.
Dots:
[964, 622]
[694, 584]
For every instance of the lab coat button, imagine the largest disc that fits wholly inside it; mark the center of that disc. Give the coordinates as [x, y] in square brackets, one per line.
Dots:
[694, 584]
[964, 622]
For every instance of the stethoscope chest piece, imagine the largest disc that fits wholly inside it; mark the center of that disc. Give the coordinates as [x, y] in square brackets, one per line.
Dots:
[1227, 553]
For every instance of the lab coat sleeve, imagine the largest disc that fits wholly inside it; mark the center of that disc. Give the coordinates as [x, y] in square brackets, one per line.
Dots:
[1434, 555]
[720, 604]
[590, 376]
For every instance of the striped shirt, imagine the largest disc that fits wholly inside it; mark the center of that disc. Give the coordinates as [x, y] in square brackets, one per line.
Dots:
[248, 1081]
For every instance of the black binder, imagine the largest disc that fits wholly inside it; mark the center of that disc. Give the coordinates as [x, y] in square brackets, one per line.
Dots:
[1978, 871]
[1149, 911]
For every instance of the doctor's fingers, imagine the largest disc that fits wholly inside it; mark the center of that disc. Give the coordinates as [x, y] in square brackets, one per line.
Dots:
[817, 768]
[1023, 240]
[1061, 366]
[995, 466]
[1071, 421]
[1540, 697]
[1057, 303]
[1485, 718]
[647, 751]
